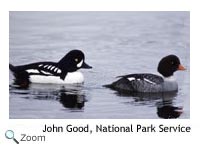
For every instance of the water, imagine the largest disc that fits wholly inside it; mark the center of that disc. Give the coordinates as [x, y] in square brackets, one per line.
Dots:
[114, 43]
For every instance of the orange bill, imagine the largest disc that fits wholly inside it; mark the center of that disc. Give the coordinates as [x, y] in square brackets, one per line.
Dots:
[181, 67]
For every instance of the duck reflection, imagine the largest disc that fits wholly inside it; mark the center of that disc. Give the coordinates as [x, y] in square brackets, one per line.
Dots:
[72, 100]
[169, 112]
[166, 109]
[70, 96]
[163, 101]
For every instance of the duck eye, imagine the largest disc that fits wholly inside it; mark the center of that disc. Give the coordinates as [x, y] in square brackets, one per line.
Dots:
[76, 59]
[172, 63]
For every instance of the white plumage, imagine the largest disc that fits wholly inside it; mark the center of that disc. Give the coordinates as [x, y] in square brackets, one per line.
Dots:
[71, 78]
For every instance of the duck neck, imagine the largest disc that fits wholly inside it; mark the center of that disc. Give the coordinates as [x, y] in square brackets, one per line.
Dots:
[170, 78]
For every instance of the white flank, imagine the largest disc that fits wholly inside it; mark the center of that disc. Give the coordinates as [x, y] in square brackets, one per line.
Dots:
[71, 78]
[80, 63]
[131, 78]
[147, 80]
[32, 71]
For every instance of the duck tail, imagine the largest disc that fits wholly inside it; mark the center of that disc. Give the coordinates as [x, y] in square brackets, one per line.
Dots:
[108, 85]
[12, 67]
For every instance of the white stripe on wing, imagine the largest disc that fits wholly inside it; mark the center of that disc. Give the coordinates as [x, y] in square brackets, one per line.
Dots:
[149, 81]
[32, 71]
[131, 78]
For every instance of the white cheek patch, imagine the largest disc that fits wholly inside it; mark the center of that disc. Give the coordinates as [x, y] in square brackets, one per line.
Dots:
[80, 63]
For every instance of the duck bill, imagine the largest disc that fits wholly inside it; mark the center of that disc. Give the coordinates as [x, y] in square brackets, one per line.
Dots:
[85, 66]
[181, 67]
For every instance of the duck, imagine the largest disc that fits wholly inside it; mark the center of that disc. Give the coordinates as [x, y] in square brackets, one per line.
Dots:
[151, 83]
[65, 71]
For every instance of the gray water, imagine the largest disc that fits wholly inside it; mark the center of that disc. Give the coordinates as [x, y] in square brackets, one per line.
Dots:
[114, 43]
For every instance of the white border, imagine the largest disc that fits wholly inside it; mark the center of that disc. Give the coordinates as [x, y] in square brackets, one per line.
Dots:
[34, 126]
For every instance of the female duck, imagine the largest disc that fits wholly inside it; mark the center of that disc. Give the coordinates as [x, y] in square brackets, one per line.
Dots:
[151, 83]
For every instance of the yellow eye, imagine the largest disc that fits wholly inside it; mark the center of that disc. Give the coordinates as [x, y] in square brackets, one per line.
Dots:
[76, 59]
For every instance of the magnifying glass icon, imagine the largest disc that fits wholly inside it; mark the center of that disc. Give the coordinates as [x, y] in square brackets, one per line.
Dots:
[10, 135]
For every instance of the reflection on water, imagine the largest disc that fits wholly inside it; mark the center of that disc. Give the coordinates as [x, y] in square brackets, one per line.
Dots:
[166, 108]
[70, 96]
[72, 100]
[73, 97]
[169, 112]
[163, 102]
